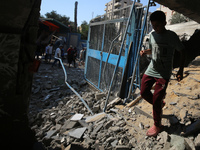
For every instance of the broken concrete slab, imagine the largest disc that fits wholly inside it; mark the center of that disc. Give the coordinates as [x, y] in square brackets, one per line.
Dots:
[95, 117]
[114, 102]
[177, 142]
[189, 144]
[77, 133]
[98, 96]
[94, 132]
[50, 134]
[122, 147]
[197, 141]
[69, 124]
[77, 117]
[83, 123]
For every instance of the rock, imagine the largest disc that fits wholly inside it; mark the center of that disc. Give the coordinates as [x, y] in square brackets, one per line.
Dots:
[133, 142]
[141, 125]
[114, 143]
[196, 115]
[98, 96]
[183, 114]
[197, 141]
[94, 132]
[69, 125]
[173, 103]
[108, 124]
[96, 108]
[114, 102]
[83, 123]
[189, 144]
[177, 142]
[114, 129]
[50, 134]
[164, 137]
[95, 117]
[110, 139]
[122, 147]
[77, 133]
[77, 117]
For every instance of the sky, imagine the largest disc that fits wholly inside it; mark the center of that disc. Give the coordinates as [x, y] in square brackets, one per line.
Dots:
[87, 9]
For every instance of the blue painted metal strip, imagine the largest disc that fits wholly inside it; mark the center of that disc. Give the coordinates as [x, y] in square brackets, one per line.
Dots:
[112, 58]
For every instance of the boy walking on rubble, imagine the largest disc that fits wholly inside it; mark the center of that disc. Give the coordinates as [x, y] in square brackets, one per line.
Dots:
[162, 44]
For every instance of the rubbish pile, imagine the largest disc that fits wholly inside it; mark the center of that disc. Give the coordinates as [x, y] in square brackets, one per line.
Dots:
[61, 121]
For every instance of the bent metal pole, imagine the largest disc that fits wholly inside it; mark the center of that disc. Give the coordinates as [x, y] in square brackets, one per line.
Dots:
[65, 73]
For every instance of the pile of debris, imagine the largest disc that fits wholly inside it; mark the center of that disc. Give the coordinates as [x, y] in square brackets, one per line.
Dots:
[61, 121]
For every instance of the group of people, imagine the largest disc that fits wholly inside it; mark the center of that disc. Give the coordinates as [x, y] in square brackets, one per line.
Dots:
[71, 55]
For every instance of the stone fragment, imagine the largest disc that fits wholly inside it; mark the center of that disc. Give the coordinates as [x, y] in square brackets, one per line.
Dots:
[96, 108]
[173, 103]
[94, 132]
[69, 124]
[95, 117]
[98, 96]
[114, 143]
[83, 123]
[183, 114]
[50, 134]
[177, 142]
[141, 125]
[164, 136]
[114, 129]
[77, 133]
[114, 102]
[197, 141]
[189, 144]
[110, 139]
[122, 147]
[77, 117]
[108, 124]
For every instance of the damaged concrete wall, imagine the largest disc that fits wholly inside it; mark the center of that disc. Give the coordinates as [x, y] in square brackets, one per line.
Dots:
[18, 33]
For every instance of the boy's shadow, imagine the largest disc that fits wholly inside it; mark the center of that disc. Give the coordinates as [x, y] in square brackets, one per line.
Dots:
[180, 129]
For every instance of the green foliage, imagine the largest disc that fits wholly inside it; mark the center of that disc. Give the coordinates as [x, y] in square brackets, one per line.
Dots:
[84, 30]
[178, 18]
[53, 14]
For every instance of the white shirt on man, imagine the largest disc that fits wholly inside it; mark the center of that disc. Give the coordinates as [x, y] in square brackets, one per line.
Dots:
[58, 51]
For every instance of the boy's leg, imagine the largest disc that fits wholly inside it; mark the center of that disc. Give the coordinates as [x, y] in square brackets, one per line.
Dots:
[159, 93]
[146, 85]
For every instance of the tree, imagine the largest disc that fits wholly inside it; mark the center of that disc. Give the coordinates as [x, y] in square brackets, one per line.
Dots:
[178, 18]
[63, 19]
[84, 30]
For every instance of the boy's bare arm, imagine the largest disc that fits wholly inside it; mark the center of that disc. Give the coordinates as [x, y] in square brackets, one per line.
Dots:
[145, 52]
[179, 74]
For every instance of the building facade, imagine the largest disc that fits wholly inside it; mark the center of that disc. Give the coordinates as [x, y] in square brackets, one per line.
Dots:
[118, 8]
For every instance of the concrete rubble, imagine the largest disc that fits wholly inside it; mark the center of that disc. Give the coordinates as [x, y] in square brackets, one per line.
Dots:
[61, 121]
